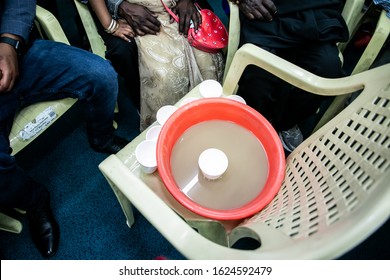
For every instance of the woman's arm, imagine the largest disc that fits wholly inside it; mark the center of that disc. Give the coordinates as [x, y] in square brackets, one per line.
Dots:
[119, 28]
[102, 13]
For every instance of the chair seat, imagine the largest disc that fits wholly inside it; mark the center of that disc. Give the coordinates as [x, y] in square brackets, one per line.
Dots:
[33, 120]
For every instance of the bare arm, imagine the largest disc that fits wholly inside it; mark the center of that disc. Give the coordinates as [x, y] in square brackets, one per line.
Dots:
[123, 30]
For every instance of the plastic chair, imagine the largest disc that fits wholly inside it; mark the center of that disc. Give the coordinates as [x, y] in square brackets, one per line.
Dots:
[31, 121]
[353, 13]
[335, 193]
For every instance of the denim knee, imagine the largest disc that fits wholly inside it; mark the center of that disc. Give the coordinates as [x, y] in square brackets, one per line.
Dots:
[103, 76]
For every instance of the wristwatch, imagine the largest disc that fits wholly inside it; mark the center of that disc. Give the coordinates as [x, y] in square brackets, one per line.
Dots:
[17, 44]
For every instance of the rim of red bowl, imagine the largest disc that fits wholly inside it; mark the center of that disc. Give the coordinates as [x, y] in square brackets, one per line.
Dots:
[229, 110]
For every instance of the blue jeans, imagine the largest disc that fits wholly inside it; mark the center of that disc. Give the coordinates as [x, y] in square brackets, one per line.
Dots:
[52, 71]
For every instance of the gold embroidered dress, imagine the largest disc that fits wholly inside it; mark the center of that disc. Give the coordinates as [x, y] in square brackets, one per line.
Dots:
[169, 66]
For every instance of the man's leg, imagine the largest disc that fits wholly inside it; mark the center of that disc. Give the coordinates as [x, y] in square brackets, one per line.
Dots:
[265, 92]
[63, 71]
[124, 58]
[50, 71]
[18, 190]
[322, 60]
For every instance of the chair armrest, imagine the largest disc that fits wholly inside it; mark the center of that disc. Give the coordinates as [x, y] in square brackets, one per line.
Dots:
[250, 54]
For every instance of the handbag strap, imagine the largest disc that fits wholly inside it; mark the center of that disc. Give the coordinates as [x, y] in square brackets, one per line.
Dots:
[173, 15]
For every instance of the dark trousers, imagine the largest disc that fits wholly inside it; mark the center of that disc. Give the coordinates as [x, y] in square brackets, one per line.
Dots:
[281, 103]
[124, 58]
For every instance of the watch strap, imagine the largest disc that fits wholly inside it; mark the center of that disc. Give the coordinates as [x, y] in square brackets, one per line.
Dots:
[17, 44]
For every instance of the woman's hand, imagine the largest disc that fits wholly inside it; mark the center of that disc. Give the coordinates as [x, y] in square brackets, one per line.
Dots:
[9, 70]
[187, 13]
[124, 31]
[258, 9]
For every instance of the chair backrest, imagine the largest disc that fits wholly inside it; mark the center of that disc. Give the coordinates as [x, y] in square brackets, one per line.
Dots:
[48, 25]
[353, 13]
[96, 42]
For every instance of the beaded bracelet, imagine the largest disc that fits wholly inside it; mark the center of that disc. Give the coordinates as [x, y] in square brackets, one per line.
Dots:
[112, 27]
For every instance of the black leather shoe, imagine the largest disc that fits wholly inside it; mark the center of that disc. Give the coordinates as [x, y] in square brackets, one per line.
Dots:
[44, 230]
[114, 145]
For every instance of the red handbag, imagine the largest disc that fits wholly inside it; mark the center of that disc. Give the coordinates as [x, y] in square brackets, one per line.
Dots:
[211, 36]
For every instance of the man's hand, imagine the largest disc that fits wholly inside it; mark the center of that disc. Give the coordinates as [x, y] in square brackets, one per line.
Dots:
[9, 70]
[187, 12]
[258, 9]
[140, 18]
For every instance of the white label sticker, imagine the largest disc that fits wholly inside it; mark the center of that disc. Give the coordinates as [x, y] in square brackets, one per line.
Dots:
[38, 124]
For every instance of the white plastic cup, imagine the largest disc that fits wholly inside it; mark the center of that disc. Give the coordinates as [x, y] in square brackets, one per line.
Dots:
[236, 98]
[145, 153]
[213, 163]
[210, 88]
[153, 132]
[164, 113]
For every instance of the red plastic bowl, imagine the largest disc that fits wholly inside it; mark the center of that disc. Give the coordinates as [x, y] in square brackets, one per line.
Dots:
[221, 109]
